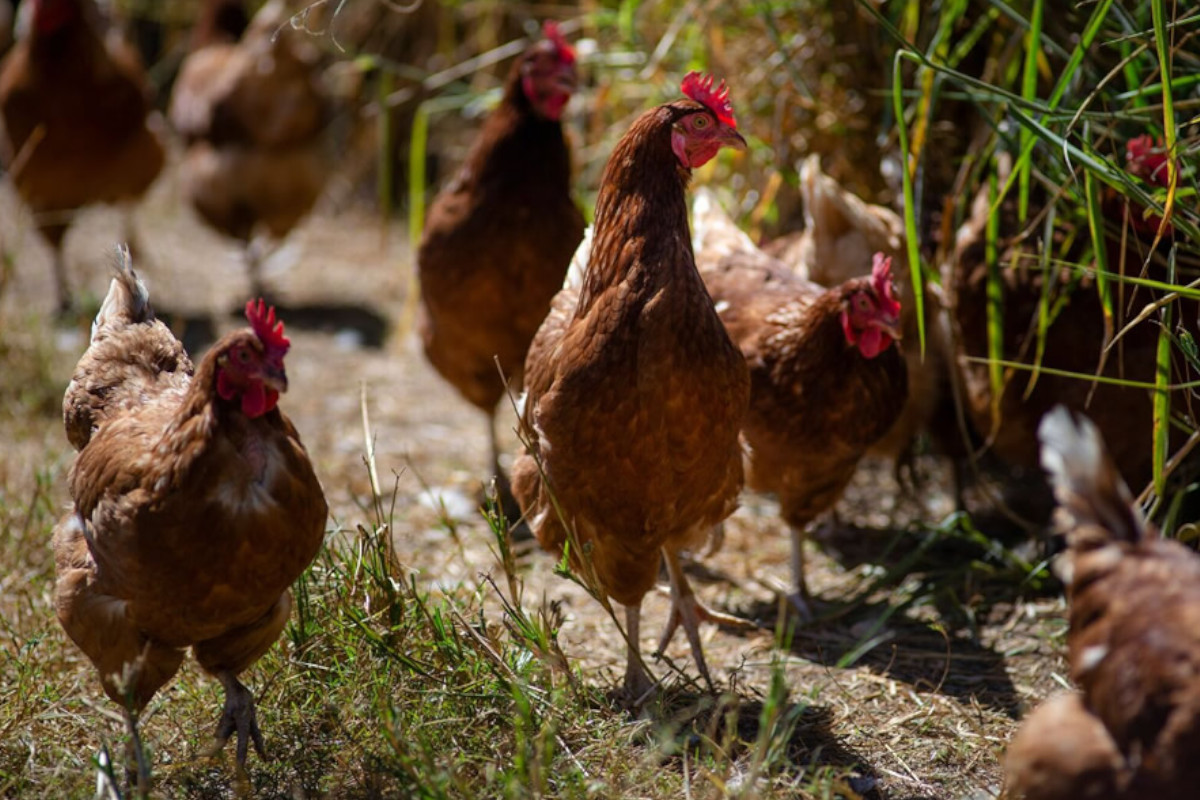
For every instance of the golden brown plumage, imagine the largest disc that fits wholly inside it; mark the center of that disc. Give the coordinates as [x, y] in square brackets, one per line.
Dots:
[253, 114]
[841, 234]
[634, 392]
[499, 237]
[195, 506]
[817, 403]
[77, 124]
[1134, 642]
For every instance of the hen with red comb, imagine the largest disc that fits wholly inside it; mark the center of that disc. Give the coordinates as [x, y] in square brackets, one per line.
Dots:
[499, 237]
[195, 505]
[826, 382]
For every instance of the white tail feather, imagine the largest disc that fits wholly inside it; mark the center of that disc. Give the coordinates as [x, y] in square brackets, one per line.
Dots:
[1086, 483]
[579, 262]
[714, 233]
[127, 296]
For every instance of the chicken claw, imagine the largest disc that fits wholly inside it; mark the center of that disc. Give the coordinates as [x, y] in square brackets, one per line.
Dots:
[688, 610]
[238, 716]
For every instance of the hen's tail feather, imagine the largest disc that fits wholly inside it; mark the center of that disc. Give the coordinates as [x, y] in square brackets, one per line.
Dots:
[714, 233]
[579, 262]
[127, 299]
[1086, 482]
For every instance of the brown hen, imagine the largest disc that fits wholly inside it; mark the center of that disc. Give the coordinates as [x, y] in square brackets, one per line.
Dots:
[195, 505]
[634, 392]
[826, 383]
[253, 114]
[499, 237]
[1075, 337]
[841, 234]
[1134, 731]
[77, 124]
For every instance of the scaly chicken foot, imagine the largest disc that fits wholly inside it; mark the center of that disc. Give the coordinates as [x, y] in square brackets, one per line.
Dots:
[238, 717]
[687, 610]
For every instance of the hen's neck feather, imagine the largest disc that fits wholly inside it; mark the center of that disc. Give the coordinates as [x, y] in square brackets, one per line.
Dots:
[201, 413]
[517, 150]
[641, 227]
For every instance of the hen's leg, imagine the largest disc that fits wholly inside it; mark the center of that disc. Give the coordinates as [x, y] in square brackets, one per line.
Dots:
[254, 252]
[228, 655]
[637, 682]
[689, 611]
[799, 598]
[508, 502]
[54, 237]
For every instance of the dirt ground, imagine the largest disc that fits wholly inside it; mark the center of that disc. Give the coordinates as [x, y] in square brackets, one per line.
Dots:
[920, 683]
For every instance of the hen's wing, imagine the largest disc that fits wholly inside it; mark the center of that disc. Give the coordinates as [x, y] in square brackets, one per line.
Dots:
[132, 357]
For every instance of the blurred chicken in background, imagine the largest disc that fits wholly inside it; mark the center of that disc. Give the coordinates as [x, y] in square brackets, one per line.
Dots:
[77, 122]
[252, 114]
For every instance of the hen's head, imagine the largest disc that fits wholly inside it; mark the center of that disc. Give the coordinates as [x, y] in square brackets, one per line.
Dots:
[250, 367]
[707, 123]
[870, 310]
[548, 73]
[1147, 159]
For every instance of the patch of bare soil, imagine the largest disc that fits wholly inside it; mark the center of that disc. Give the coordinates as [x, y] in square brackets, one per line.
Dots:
[920, 682]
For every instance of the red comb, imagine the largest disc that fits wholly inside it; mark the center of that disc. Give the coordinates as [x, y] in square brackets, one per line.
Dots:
[700, 88]
[268, 331]
[881, 279]
[1146, 158]
[566, 53]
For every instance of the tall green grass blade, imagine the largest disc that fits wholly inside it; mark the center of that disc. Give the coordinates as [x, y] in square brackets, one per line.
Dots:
[910, 211]
[1029, 77]
[1045, 315]
[1090, 31]
[995, 303]
[418, 145]
[384, 185]
[1161, 47]
[1127, 383]
[1162, 401]
[1095, 220]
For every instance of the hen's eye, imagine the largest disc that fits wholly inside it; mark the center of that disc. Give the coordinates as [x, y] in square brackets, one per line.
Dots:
[243, 355]
[700, 122]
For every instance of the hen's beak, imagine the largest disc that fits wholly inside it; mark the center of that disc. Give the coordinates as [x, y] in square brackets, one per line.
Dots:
[889, 325]
[730, 137]
[565, 80]
[275, 378]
